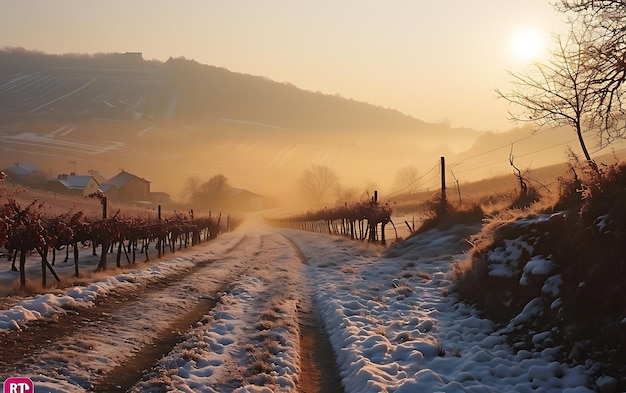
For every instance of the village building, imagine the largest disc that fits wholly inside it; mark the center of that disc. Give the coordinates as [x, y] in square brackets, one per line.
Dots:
[110, 191]
[74, 185]
[131, 188]
[96, 175]
[240, 199]
[25, 174]
[160, 198]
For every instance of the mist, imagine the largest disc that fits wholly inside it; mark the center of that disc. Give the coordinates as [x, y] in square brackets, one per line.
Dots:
[167, 122]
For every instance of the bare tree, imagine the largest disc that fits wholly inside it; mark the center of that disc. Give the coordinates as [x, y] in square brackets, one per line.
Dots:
[317, 181]
[561, 92]
[606, 21]
[407, 179]
[190, 187]
[209, 194]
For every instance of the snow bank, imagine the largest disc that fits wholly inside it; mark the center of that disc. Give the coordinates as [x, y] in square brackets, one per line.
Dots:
[393, 330]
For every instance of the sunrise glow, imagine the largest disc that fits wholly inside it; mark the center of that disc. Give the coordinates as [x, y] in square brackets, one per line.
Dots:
[528, 45]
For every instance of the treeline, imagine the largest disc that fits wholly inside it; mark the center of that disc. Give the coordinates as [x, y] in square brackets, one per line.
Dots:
[359, 221]
[27, 230]
[20, 61]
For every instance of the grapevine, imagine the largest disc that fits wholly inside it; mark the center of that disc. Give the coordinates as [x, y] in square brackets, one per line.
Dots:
[358, 221]
[24, 230]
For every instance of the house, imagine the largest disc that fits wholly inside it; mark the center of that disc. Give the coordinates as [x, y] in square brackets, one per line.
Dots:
[26, 174]
[131, 188]
[75, 185]
[21, 169]
[240, 199]
[96, 175]
[110, 191]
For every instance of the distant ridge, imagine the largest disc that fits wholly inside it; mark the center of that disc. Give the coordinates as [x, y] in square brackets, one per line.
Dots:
[125, 86]
[179, 118]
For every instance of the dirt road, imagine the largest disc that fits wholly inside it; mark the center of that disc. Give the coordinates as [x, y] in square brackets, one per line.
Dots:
[135, 336]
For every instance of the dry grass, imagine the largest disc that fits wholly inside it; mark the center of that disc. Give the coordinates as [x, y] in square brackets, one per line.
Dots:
[270, 315]
[493, 195]
[586, 242]
[446, 215]
[347, 270]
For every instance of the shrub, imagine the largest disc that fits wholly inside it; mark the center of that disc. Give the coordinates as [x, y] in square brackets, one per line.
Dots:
[447, 215]
[526, 198]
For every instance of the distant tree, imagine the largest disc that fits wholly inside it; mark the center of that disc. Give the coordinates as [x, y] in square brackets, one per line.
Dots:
[210, 193]
[190, 187]
[368, 191]
[407, 179]
[317, 181]
[347, 195]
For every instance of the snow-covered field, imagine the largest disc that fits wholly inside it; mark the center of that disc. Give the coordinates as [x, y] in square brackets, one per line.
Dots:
[391, 317]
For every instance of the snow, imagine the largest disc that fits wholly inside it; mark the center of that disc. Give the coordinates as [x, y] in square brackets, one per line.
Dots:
[503, 260]
[602, 222]
[42, 306]
[537, 266]
[392, 318]
[552, 286]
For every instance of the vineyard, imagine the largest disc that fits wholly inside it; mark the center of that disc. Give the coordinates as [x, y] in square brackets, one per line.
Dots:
[359, 221]
[27, 230]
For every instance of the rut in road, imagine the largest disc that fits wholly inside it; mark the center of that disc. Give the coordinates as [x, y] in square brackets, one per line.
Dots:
[122, 377]
[263, 324]
[316, 353]
[121, 328]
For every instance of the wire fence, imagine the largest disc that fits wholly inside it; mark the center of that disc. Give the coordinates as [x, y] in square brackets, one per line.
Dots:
[430, 181]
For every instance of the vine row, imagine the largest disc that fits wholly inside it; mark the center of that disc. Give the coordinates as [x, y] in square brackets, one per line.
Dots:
[359, 221]
[26, 230]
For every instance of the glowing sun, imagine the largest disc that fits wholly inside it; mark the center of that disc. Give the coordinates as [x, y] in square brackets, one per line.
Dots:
[528, 45]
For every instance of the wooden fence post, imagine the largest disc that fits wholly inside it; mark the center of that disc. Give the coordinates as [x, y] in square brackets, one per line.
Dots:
[443, 184]
[105, 203]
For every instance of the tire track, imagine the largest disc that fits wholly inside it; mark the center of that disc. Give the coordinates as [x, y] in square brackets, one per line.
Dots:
[118, 329]
[316, 353]
[96, 332]
[125, 375]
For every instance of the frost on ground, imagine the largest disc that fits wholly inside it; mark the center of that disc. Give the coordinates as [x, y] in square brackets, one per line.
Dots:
[250, 341]
[391, 316]
[394, 329]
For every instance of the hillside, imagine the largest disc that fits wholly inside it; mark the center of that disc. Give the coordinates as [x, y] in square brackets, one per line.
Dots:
[124, 86]
[175, 119]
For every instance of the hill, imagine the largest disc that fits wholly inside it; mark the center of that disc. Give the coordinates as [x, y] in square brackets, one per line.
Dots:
[174, 119]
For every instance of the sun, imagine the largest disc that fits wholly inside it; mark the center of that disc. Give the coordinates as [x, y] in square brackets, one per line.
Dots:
[528, 45]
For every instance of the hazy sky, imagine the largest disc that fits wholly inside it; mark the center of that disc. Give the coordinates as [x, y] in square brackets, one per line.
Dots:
[437, 60]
